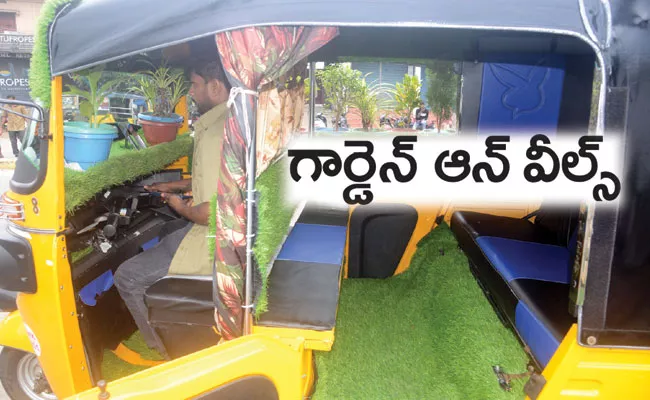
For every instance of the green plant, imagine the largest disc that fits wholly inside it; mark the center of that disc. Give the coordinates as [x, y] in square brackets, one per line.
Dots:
[442, 91]
[407, 96]
[308, 89]
[369, 99]
[341, 85]
[163, 87]
[40, 80]
[90, 88]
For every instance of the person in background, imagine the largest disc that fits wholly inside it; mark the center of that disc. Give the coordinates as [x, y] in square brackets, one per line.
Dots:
[421, 117]
[15, 125]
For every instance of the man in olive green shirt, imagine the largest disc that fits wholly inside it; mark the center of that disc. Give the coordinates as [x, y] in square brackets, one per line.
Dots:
[185, 251]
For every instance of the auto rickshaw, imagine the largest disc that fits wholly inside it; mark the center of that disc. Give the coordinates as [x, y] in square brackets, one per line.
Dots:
[369, 301]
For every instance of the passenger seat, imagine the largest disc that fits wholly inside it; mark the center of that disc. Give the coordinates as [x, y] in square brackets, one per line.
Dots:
[524, 268]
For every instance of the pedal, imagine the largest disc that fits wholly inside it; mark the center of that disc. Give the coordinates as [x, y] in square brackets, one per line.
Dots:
[505, 378]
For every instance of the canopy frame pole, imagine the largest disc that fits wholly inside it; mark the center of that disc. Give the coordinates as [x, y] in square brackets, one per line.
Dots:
[250, 214]
[312, 97]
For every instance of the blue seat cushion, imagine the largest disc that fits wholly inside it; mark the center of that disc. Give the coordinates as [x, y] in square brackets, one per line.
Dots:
[535, 333]
[313, 243]
[515, 259]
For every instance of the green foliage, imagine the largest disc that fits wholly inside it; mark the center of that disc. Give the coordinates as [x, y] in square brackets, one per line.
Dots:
[163, 87]
[442, 91]
[407, 96]
[39, 70]
[274, 218]
[90, 88]
[340, 84]
[308, 89]
[369, 99]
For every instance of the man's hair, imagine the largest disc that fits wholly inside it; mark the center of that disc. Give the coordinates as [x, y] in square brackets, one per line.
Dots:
[208, 70]
[11, 97]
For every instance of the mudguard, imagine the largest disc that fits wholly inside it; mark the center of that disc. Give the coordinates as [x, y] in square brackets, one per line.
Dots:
[13, 333]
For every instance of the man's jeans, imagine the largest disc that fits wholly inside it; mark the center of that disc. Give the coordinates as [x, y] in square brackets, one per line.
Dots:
[136, 274]
[420, 124]
[14, 136]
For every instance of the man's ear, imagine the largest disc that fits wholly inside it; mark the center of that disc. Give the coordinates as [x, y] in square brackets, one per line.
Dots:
[217, 90]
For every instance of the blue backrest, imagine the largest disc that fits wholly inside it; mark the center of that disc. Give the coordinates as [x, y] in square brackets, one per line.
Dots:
[521, 93]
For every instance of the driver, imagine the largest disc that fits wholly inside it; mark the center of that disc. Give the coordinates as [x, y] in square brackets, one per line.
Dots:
[185, 251]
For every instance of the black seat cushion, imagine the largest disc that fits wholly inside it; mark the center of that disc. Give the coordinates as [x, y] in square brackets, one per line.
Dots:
[524, 269]
[549, 301]
[8, 300]
[302, 295]
[469, 225]
[181, 300]
[320, 214]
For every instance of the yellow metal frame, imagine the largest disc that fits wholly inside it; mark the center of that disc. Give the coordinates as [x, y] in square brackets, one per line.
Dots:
[57, 337]
[289, 367]
[280, 354]
[314, 340]
[577, 372]
[13, 333]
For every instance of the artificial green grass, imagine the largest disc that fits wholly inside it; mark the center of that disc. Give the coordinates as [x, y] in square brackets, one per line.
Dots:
[274, 218]
[114, 368]
[120, 147]
[39, 69]
[119, 169]
[426, 334]
[80, 254]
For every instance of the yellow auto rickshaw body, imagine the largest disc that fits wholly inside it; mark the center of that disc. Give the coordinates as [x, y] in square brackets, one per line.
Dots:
[278, 358]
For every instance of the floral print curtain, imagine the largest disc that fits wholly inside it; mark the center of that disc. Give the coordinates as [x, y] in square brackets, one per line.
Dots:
[253, 58]
[280, 109]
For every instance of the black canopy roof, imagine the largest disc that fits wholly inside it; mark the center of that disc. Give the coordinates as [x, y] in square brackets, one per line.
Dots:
[94, 32]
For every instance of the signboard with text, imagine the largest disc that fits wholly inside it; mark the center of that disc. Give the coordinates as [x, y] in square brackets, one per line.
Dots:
[14, 78]
[16, 43]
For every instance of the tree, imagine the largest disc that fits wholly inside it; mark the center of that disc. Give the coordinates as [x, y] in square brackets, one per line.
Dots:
[340, 84]
[442, 91]
[369, 99]
[308, 89]
[407, 96]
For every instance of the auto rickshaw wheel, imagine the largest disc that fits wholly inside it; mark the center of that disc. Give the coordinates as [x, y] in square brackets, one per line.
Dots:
[22, 377]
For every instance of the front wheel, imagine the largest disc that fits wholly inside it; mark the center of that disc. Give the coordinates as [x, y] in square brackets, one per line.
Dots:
[22, 377]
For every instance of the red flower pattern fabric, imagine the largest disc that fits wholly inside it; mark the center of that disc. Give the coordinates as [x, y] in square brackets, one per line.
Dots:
[252, 57]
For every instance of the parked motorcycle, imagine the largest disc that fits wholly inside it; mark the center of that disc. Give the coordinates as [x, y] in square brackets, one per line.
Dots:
[343, 122]
[386, 121]
[320, 122]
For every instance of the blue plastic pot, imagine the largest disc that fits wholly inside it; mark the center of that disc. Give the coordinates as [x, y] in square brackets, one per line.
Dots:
[85, 145]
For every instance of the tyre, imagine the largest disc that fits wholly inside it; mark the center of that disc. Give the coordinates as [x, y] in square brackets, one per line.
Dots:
[22, 377]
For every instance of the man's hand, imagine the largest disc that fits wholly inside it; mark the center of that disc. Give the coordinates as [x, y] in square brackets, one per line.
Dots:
[169, 187]
[178, 204]
[198, 214]
[163, 187]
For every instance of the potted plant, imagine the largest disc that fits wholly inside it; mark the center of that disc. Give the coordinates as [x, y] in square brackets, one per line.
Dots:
[163, 87]
[89, 142]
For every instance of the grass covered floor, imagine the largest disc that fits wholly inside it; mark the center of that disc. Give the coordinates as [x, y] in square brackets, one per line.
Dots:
[114, 368]
[426, 334]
